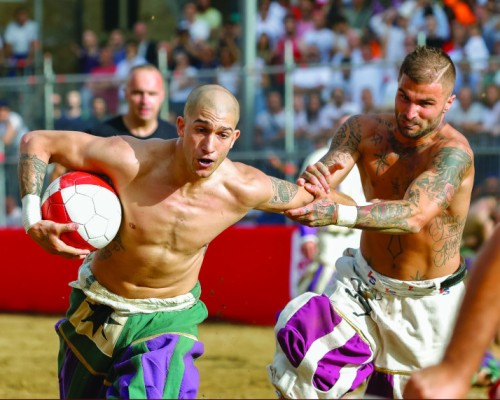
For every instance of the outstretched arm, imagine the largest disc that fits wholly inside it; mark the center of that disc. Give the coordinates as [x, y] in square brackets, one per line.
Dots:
[284, 195]
[477, 322]
[267, 193]
[427, 196]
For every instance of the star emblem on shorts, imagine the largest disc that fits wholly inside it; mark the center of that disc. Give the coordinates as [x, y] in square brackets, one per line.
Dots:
[99, 317]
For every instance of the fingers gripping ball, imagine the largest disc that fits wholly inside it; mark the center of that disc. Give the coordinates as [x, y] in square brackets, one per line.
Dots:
[88, 200]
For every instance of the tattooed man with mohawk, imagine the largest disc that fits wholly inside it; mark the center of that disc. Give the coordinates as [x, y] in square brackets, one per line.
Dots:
[394, 300]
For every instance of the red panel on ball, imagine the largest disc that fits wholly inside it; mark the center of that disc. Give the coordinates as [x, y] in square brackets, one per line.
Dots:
[54, 209]
[82, 178]
[80, 197]
[74, 239]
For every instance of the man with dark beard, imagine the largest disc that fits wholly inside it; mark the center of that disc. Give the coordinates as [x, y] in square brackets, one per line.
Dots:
[393, 304]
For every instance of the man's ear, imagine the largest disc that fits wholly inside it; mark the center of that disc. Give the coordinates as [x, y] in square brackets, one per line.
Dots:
[180, 126]
[236, 136]
[449, 102]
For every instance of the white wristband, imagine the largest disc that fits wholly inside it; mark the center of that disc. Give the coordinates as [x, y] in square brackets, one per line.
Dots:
[347, 215]
[32, 212]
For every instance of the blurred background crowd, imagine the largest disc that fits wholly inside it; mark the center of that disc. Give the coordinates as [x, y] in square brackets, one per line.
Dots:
[311, 64]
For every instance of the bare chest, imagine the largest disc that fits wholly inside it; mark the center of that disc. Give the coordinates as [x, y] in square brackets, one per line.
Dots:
[388, 171]
[180, 222]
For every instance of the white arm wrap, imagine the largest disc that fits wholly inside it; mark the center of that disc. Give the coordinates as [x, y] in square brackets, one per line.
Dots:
[31, 210]
[347, 215]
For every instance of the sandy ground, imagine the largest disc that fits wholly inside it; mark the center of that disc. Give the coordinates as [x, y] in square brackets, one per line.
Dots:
[233, 365]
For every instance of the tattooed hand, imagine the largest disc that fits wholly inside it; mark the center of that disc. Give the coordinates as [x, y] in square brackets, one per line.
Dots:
[318, 213]
[318, 174]
[47, 234]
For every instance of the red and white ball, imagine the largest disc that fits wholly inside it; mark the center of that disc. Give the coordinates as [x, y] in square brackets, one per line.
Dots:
[88, 200]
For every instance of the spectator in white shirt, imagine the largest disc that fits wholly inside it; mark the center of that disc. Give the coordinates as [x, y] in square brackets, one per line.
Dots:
[320, 36]
[368, 73]
[466, 113]
[12, 129]
[311, 76]
[268, 22]
[337, 106]
[21, 43]
[199, 29]
[422, 9]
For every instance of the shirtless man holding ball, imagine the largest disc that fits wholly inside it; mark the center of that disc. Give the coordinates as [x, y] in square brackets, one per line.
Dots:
[135, 306]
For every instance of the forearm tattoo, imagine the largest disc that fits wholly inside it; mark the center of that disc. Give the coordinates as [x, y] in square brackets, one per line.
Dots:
[31, 174]
[283, 191]
[450, 167]
[390, 215]
[323, 212]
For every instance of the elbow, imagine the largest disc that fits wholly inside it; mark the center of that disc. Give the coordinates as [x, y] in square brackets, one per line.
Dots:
[26, 140]
[32, 140]
[414, 228]
[416, 224]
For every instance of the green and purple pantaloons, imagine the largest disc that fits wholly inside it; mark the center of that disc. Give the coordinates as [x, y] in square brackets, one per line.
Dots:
[111, 347]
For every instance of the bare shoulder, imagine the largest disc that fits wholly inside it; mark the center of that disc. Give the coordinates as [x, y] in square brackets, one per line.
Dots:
[249, 184]
[454, 148]
[453, 157]
[129, 156]
[454, 138]
[140, 149]
[370, 121]
[369, 125]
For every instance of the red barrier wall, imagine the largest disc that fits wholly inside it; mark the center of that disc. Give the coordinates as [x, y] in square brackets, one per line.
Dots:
[244, 278]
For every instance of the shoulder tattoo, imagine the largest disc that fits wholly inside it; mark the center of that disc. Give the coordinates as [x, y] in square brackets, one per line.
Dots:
[449, 168]
[347, 138]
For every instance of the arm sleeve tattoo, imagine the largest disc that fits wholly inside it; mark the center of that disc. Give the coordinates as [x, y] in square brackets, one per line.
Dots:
[31, 174]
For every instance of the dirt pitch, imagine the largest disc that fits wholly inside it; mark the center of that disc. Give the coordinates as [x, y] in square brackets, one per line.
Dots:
[233, 366]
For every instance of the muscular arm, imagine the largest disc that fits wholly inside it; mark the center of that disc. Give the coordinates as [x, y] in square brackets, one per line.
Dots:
[480, 309]
[428, 195]
[262, 192]
[286, 195]
[75, 150]
[343, 152]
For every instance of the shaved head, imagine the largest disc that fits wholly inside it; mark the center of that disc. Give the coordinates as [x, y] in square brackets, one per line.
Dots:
[213, 97]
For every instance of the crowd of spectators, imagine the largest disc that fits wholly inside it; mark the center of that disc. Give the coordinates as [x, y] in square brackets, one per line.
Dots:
[346, 55]
[354, 45]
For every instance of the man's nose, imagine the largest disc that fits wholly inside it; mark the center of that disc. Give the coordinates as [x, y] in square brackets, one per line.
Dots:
[209, 143]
